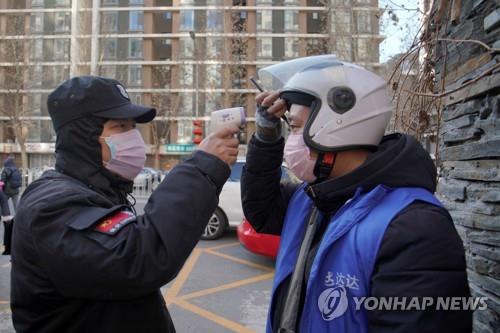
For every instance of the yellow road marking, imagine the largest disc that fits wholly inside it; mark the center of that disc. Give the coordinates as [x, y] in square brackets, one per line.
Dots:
[176, 287]
[218, 247]
[214, 317]
[228, 286]
[241, 261]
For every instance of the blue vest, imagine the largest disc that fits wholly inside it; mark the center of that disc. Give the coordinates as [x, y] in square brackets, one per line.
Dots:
[344, 262]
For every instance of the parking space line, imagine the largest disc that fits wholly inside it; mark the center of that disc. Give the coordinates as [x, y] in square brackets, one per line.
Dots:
[176, 287]
[213, 317]
[241, 261]
[223, 246]
[228, 286]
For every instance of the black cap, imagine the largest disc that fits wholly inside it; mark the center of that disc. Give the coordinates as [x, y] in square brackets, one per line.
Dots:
[84, 96]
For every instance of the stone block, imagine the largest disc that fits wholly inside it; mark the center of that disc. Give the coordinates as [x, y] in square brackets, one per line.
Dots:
[473, 170]
[488, 252]
[458, 110]
[480, 87]
[470, 151]
[492, 20]
[461, 122]
[461, 135]
[491, 196]
[451, 189]
[491, 238]
[487, 283]
[478, 221]
[486, 209]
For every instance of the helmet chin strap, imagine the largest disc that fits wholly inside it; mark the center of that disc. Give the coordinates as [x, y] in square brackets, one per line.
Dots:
[324, 165]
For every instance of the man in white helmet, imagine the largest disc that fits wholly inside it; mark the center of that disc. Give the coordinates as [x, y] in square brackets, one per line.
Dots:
[364, 222]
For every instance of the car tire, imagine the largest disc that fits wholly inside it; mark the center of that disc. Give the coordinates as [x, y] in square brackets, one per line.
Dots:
[216, 226]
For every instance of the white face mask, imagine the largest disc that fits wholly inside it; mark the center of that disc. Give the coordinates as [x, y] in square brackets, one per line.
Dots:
[297, 158]
[128, 153]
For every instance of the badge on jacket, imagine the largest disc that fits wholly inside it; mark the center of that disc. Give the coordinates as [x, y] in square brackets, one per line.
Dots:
[113, 223]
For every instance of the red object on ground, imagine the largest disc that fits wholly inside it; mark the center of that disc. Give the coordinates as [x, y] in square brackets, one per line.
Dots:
[258, 243]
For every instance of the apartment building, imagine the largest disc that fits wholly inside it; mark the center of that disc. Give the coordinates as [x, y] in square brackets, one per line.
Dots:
[185, 57]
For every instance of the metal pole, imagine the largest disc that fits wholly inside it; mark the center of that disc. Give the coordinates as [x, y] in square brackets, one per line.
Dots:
[75, 43]
[94, 55]
[192, 34]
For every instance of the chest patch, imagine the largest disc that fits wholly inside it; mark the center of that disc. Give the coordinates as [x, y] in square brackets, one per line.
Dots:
[113, 223]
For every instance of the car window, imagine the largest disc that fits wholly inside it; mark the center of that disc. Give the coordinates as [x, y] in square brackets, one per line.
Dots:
[236, 170]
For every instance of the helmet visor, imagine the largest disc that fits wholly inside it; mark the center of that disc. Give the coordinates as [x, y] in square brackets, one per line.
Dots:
[276, 76]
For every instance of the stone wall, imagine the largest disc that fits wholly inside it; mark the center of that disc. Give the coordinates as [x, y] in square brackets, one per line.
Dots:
[470, 143]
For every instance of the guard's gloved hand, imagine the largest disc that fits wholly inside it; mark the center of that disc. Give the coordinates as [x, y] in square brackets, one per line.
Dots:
[268, 126]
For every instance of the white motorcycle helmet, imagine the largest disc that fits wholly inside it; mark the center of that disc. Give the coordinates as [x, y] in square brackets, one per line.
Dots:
[350, 107]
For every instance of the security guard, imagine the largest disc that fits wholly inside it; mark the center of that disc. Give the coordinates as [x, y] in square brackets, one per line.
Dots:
[82, 260]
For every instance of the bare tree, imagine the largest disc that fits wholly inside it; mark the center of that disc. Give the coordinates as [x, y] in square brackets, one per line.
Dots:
[167, 105]
[15, 77]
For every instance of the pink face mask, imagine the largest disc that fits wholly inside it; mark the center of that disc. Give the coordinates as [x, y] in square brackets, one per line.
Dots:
[128, 153]
[297, 157]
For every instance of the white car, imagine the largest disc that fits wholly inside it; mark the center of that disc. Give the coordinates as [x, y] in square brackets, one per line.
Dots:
[229, 213]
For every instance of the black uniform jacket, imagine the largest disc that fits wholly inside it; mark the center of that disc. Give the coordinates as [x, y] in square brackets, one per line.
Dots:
[71, 272]
[421, 253]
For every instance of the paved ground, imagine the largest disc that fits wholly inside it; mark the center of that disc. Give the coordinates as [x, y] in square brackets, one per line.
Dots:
[222, 288]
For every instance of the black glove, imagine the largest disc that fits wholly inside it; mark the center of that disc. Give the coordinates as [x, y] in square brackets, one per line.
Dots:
[268, 127]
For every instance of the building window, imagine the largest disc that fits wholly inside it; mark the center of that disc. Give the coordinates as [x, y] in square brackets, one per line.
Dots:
[134, 75]
[214, 47]
[36, 3]
[167, 16]
[37, 22]
[343, 48]
[60, 74]
[186, 47]
[37, 49]
[213, 101]
[60, 3]
[214, 19]
[62, 21]
[364, 22]
[36, 75]
[136, 2]
[135, 48]
[109, 21]
[186, 76]
[342, 3]
[291, 20]
[264, 20]
[214, 76]
[265, 47]
[136, 22]
[61, 49]
[363, 49]
[341, 22]
[35, 104]
[110, 2]
[187, 20]
[291, 47]
[185, 128]
[108, 71]
[109, 48]
[315, 15]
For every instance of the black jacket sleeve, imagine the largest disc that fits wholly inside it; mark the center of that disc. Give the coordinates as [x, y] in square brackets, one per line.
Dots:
[421, 255]
[264, 197]
[145, 254]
